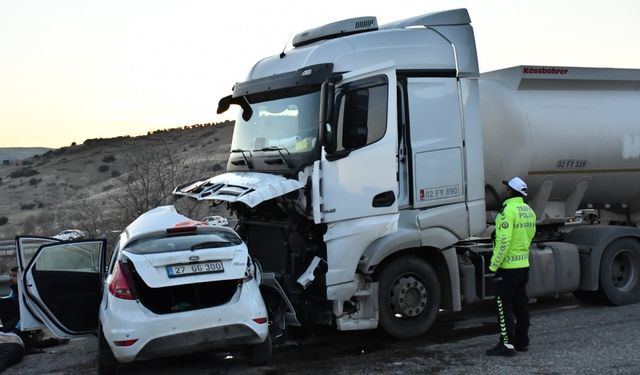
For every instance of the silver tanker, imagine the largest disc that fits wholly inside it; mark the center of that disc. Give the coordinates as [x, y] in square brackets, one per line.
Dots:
[573, 133]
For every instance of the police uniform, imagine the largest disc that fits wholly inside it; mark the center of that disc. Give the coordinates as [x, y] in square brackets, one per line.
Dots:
[515, 228]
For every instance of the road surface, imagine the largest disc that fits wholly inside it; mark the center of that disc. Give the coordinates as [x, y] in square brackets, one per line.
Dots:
[567, 337]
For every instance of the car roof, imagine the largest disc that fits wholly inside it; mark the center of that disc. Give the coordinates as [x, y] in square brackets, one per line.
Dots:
[156, 221]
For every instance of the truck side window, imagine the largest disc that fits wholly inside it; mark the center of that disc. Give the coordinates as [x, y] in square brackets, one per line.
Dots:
[363, 117]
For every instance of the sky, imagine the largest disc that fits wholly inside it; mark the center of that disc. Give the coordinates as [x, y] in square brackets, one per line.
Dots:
[71, 70]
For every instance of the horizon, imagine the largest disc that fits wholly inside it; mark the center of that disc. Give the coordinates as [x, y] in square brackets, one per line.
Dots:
[75, 70]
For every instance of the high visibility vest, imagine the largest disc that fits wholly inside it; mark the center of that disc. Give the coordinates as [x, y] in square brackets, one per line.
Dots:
[515, 228]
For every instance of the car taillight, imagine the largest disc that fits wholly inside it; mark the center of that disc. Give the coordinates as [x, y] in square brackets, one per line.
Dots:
[261, 320]
[182, 229]
[125, 342]
[120, 286]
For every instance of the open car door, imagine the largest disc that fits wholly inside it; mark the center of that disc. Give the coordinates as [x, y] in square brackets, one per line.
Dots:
[60, 284]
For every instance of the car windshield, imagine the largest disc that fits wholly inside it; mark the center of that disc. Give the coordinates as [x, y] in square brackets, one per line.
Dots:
[151, 245]
[288, 124]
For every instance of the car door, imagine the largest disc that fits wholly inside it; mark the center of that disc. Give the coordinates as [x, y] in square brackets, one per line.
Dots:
[60, 284]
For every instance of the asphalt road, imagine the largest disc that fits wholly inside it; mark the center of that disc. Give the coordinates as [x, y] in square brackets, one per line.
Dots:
[567, 337]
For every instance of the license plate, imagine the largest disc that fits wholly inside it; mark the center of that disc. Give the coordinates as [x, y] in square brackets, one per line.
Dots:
[178, 270]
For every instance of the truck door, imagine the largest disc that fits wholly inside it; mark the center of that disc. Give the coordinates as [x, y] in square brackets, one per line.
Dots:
[436, 141]
[359, 177]
[60, 284]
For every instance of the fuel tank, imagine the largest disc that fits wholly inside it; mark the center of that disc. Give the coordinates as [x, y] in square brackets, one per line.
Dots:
[573, 134]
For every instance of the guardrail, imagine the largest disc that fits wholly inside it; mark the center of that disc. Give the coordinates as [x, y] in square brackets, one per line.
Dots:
[7, 247]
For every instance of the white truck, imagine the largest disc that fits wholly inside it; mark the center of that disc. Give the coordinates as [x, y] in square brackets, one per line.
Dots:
[366, 169]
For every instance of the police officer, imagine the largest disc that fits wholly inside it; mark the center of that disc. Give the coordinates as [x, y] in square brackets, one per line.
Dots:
[515, 228]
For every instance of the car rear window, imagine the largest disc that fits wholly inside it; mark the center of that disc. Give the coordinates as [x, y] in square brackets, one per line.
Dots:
[183, 242]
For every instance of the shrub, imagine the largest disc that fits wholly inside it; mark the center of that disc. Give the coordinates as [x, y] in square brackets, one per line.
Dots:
[115, 173]
[34, 181]
[4, 220]
[103, 168]
[6, 162]
[27, 206]
[27, 162]
[108, 159]
[23, 172]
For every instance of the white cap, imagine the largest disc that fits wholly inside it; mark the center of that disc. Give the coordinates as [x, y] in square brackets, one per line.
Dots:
[517, 184]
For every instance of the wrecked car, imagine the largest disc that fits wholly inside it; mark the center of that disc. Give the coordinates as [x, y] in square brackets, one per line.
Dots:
[171, 286]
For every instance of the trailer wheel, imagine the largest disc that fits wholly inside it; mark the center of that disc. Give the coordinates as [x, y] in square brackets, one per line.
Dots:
[409, 297]
[620, 272]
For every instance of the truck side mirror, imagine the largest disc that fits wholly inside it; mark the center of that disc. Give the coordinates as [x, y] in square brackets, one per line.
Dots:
[225, 103]
[326, 118]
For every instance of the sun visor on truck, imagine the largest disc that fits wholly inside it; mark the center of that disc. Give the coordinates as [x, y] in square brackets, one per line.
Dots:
[304, 77]
[250, 188]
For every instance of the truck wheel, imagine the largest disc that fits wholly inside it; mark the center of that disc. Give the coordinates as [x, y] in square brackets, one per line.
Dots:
[260, 354]
[107, 363]
[409, 297]
[620, 272]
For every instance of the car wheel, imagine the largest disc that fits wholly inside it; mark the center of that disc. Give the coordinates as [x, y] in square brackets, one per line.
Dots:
[409, 297]
[107, 363]
[260, 354]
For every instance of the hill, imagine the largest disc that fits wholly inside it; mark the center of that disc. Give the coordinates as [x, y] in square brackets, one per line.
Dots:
[98, 186]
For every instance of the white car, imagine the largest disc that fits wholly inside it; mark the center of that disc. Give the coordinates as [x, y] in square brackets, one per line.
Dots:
[70, 234]
[171, 287]
[215, 220]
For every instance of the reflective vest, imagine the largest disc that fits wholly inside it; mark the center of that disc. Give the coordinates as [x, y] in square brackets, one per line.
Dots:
[515, 227]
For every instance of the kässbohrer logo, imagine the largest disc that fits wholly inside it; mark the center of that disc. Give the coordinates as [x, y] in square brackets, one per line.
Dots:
[530, 70]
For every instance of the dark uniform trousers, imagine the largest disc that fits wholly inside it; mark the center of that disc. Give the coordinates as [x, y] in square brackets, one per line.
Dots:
[511, 299]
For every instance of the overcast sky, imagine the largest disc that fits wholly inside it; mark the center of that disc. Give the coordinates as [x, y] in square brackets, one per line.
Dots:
[77, 69]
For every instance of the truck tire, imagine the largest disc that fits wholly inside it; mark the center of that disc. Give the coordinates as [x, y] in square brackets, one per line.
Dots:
[107, 363]
[260, 354]
[409, 297]
[620, 272]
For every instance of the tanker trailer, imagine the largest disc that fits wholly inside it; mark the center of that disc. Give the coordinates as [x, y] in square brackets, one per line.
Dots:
[574, 135]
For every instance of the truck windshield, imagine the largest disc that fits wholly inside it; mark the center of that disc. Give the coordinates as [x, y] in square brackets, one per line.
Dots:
[289, 124]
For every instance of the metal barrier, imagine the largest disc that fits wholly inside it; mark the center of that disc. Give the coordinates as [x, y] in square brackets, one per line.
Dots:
[7, 247]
